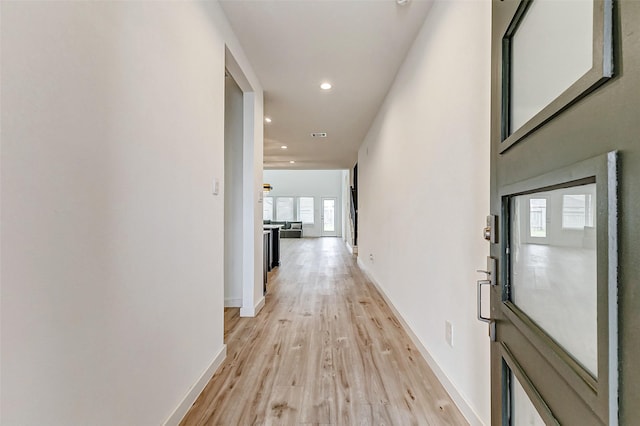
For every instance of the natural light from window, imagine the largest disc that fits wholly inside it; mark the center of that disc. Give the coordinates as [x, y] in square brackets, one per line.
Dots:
[577, 211]
[284, 209]
[305, 210]
[538, 217]
[267, 208]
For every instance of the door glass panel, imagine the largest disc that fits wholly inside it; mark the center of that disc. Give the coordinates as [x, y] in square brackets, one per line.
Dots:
[538, 217]
[328, 209]
[523, 412]
[552, 49]
[555, 284]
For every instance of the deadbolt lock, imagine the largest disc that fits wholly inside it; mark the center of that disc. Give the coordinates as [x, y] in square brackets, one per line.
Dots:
[490, 231]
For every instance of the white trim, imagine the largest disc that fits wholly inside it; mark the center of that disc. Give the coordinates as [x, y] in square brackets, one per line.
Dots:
[252, 171]
[251, 248]
[232, 303]
[252, 312]
[462, 404]
[193, 393]
[349, 248]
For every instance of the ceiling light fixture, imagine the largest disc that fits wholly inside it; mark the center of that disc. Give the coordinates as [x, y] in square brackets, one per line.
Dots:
[267, 119]
[283, 147]
[402, 2]
[325, 86]
[292, 162]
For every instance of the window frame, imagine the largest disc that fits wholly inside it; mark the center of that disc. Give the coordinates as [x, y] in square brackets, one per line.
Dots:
[587, 212]
[264, 203]
[313, 210]
[293, 209]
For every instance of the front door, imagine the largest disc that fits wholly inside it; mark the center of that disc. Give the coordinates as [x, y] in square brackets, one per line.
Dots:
[329, 228]
[563, 273]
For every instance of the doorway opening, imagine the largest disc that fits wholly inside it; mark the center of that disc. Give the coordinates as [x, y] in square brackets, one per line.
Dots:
[243, 175]
[233, 199]
[328, 218]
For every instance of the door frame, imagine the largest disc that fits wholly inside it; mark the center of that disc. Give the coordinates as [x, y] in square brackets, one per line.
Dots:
[250, 241]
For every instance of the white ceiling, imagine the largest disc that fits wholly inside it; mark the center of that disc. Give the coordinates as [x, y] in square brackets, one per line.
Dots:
[293, 46]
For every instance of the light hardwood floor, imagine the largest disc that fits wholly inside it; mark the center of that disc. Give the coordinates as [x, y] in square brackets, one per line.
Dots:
[325, 350]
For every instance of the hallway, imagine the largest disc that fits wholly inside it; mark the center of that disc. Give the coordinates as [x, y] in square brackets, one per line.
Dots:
[326, 349]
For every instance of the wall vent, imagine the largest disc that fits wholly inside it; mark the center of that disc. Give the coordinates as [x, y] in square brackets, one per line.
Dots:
[319, 135]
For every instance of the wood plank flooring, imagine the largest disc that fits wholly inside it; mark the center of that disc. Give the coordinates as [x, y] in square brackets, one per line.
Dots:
[325, 350]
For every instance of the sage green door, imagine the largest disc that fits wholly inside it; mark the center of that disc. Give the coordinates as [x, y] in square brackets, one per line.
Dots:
[564, 268]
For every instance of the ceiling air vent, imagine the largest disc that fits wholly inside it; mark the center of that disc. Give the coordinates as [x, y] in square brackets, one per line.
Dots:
[319, 135]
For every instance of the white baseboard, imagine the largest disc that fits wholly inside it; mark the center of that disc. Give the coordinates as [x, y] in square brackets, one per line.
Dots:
[259, 305]
[232, 303]
[193, 393]
[466, 410]
[252, 311]
[352, 249]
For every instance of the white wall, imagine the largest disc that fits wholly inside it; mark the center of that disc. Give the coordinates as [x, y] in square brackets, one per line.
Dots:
[309, 183]
[112, 242]
[424, 194]
[233, 153]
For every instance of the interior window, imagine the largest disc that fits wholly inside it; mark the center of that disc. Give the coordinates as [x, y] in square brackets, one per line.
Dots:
[576, 211]
[267, 208]
[305, 210]
[538, 217]
[284, 209]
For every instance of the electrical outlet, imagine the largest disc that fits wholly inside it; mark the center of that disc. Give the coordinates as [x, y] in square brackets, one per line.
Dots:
[448, 333]
[371, 257]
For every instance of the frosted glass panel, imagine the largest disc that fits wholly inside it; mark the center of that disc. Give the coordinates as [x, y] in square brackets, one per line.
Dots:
[551, 50]
[553, 280]
[523, 412]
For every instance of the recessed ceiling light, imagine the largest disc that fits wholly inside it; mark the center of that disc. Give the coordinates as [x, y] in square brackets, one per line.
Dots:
[284, 147]
[267, 119]
[325, 86]
[292, 162]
